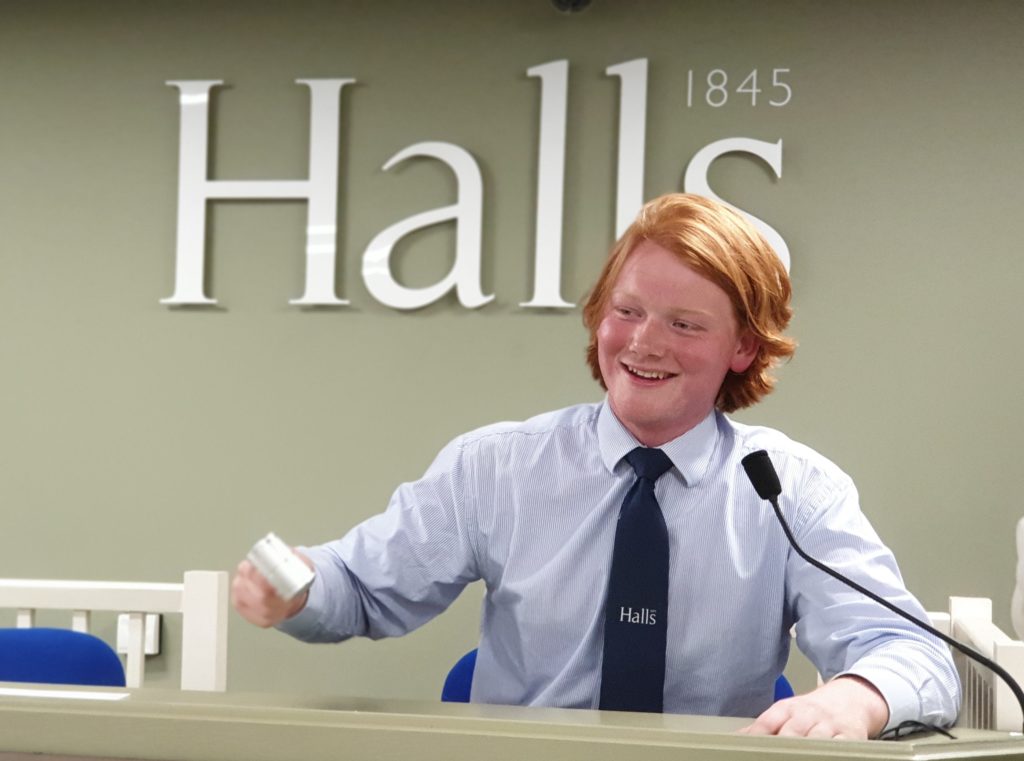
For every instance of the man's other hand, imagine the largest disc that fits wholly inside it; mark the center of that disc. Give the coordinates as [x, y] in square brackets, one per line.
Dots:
[257, 602]
[847, 707]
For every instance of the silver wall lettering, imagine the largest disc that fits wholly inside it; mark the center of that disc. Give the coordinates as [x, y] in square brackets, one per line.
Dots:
[696, 179]
[320, 191]
[629, 191]
[466, 212]
[547, 251]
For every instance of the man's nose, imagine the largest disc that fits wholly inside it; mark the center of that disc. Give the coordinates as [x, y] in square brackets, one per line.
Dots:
[648, 339]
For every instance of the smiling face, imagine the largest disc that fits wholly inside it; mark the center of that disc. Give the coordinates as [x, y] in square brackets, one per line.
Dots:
[665, 342]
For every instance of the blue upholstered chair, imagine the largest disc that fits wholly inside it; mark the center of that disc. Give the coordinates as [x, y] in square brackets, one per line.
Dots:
[783, 689]
[459, 680]
[58, 656]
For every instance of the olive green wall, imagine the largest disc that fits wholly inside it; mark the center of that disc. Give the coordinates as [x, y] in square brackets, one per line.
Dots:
[139, 441]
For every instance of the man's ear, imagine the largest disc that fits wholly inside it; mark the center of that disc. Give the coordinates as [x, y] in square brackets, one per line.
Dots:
[747, 346]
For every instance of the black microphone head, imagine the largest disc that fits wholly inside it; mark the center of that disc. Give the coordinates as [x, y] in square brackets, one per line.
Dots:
[762, 474]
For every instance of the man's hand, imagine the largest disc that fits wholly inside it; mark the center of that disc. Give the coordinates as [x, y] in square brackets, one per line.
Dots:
[257, 602]
[847, 707]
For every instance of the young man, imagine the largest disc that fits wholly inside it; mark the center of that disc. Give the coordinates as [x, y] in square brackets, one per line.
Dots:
[686, 322]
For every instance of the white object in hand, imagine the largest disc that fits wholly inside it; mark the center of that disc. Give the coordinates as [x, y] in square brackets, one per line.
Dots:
[1017, 602]
[285, 571]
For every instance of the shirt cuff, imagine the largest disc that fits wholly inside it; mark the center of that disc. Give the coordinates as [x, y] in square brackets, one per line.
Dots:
[307, 622]
[899, 694]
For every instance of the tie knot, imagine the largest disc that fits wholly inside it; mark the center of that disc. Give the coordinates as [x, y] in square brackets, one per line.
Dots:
[649, 463]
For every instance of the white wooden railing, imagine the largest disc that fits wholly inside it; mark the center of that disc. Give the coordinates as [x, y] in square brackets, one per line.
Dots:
[201, 599]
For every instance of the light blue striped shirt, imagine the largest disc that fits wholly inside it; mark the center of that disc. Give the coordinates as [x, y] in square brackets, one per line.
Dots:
[530, 508]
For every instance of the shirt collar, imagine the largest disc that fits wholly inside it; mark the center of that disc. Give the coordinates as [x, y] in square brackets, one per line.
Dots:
[690, 453]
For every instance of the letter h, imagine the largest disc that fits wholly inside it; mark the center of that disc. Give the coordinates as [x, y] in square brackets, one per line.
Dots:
[320, 191]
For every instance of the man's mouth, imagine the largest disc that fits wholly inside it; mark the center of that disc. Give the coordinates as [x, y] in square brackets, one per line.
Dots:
[647, 374]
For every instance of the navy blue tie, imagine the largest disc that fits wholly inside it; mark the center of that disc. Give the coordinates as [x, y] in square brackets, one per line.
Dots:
[636, 614]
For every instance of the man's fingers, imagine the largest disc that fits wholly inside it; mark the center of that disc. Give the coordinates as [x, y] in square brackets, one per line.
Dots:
[794, 726]
[769, 722]
[823, 730]
[797, 725]
[255, 599]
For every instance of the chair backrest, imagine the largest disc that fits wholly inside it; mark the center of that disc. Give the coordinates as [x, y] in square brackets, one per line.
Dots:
[201, 599]
[459, 681]
[58, 656]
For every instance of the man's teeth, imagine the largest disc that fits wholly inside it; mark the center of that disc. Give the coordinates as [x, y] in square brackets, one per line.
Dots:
[648, 373]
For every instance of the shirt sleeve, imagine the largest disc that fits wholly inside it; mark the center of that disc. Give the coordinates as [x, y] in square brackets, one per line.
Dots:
[397, 570]
[844, 632]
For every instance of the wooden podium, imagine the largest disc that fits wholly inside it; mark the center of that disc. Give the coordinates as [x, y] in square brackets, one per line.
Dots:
[61, 723]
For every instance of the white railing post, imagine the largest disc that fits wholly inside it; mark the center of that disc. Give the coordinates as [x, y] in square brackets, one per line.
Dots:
[135, 660]
[204, 635]
[80, 621]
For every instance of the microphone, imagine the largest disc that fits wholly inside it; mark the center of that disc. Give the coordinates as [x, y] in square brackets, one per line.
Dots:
[762, 475]
[765, 481]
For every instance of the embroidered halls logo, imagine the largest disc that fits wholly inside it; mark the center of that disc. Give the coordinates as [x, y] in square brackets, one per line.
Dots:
[646, 616]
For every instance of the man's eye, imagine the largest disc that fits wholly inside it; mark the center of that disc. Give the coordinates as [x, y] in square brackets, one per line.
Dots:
[624, 311]
[684, 325]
